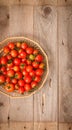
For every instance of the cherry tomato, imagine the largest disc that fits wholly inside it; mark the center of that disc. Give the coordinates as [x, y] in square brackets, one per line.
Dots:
[5, 72]
[39, 72]
[3, 60]
[37, 78]
[21, 82]
[14, 53]
[3, 68]
[6, 49]
[18, 75]
[10, 65]
[28, 79]
[42, 65]
[35, 64]
[10, 73]
[8, 80]
[11, 45]
[22, 65]
[2, 79]
[9, 87]
[24, 72]
[23, 54]
[39, 58]
[33, 84]
[20, 50]
[35, 52]
[16, 68]
[32, 73]
[27, 87]
[31, 57]
[21, 90]
[14, 81]
[29, 50]
[9, 57]
[28, 62]
[23, 60]
[29, 68]
[24, 45]
[18, 44]
[17, 61]
[16, 86]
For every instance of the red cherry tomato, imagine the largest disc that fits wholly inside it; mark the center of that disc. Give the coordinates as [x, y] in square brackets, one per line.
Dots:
[17, 61]
[14, 53]
[9, 57]
[2, 79]
[21, 90]
[14, 81]
[29, 68]
[23, 54]
[3, 68]
[28, 62]
[21, 82]
[41, 65]
[35, 52]
[28, 79]
[17, 86]
[6, 49]
[5, 72]
[10, 65]
[29, 50]
[24, 46]
[22, 65]
[18, 44]
[8, 80]
[39, 58]
[37, 79]
[27, 87]
[16, 68]
[10, 73]
[24, 72]
[32, 73]
[18, 75]
[39, 72]
[35, 64]
[9, 87]
[23, 60]
[33, 84]
[3, 60]
[11, 45]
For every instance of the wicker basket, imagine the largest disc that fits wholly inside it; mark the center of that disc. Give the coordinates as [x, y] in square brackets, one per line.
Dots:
[44, 77]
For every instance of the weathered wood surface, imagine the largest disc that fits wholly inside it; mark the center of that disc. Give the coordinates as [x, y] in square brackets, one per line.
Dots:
[65, 63]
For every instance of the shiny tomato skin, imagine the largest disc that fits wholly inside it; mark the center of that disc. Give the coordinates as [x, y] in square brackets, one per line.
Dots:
[3, 60]
[9, 57]
[6, 49]
[2, 79]
[14, 81]
[32, 73]
[21, 83]
[11, 45]
[29, 68]
[24, 45]
[10, 65]
[16, 86]
[17, 61]
[3, 68]
[8, 79]
[18, 44]
[10, 73]
[41, 65]
[37, 79]
[21, 90]
[33, 84]
[9, 87]
[28, 62]
[39, 72]
[23, 60]
[23, 54]
[24, 72]
[27, 79]
[39, 58]
[35, 52]
[14, 53]
[22, 65]
[5, 72]
[16, 68]
[27, 87]
[18, 75]
[35, 64]
[29, 50]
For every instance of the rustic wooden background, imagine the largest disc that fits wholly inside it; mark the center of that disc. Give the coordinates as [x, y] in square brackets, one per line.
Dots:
[48, 22]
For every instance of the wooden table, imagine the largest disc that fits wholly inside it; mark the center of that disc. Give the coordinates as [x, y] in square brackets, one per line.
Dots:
[49, 22]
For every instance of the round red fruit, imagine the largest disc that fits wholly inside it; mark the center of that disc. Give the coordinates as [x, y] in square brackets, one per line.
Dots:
[29, 68]
[24, 72]
[32, 73]
[11, 45]
[3, 60]
[28, 79]
[27, 87]
[16, 68]
[18, 75]
[9, 87]
[39, 72]
[39, 58]
[24, 46]
[33, 84]
[21, 82]
[29, 50]
[14, 81]
[35, 64]
[23, 54]
[17, 61]
[8, 80]
[6, 49]
[37, 79]
[21, 90]
[2, 79]
[14, 53]
[10, 73]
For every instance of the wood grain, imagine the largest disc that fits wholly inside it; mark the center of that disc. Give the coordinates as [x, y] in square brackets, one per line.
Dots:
[45, 32]
[65, 63]
[64, 2]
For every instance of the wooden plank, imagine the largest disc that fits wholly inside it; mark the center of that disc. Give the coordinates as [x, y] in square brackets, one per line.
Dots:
[64, 2]
[19, 23]
[65, 63]
[45, 32]
[38, 126]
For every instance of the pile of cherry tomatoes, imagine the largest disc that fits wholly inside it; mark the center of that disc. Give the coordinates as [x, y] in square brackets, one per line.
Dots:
[21, 67]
